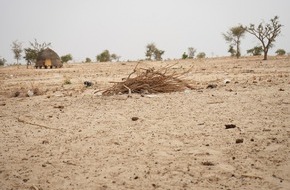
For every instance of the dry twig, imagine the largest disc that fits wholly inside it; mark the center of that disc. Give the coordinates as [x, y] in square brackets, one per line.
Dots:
[35, 124]
[151, 81]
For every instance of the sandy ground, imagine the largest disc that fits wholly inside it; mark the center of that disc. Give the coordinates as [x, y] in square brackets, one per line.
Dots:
[70, 137]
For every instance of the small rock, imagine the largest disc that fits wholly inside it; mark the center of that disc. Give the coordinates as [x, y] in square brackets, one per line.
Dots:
[88, 83]
[239, 141]
[45, 142]
[211, 86]
[230, 126]
[25, 180]
[60, 107]
[30, 93]
[150, 95]
[226, 81]
[207, 163]
[281, 89]
[16, 94]
[134, 118]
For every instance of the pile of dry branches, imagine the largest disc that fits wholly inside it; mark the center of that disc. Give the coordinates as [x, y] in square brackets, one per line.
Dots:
[151, 81]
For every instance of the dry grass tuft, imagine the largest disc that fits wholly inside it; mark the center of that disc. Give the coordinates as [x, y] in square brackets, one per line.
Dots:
[151, 81]
[26, 91]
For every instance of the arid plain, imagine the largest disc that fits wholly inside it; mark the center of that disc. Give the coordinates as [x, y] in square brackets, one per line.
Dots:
[231, 132]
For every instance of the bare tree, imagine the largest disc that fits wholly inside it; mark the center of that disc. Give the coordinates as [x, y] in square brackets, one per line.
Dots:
[191, 52]
[266, 33]
[17, 50]
[115, 57]
[233, 37]
[38, 46]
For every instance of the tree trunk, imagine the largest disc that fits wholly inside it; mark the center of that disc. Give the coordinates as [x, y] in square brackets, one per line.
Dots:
[238, 54]
[265, 53]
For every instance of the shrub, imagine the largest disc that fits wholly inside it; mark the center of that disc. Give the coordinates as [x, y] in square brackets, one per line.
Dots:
[88, 60]
[280, 52]
[184, 56]
[201, 55]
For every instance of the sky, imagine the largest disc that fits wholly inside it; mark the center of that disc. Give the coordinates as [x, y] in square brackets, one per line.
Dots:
[85, 28]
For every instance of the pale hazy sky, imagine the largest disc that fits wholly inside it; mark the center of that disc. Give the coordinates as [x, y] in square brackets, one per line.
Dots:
[84, 28]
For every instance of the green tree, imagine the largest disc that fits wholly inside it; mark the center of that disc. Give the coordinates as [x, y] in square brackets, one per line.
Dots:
[150, 48]
[191, 52]
[280, 52]
[184, 56]
[2, 61]
[201, 55]
[266, 33]
[153, 51]
[66, 58]
[257, 50]
[104, 56]
[233, 37]
[17, 50]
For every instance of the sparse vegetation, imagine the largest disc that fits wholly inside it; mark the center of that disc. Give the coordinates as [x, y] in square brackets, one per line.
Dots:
[266, 33]
[105, 56]
[26, 91]
[67, 81]
[257, 50]
[66, 58]
[233, 37]
[280, 52]
[153, 51]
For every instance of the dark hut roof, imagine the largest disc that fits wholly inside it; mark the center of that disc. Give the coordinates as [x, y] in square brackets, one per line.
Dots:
[47, 54]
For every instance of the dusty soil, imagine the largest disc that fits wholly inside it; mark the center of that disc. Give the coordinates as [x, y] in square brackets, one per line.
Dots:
[231, 132]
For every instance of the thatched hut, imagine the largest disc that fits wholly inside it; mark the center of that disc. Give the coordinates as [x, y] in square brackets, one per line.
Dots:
[48, 59]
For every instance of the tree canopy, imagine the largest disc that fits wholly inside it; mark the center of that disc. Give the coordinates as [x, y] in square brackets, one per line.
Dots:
[201, 55]
[266, 33]
[66, 58]
[153, 51]
[233, 37]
